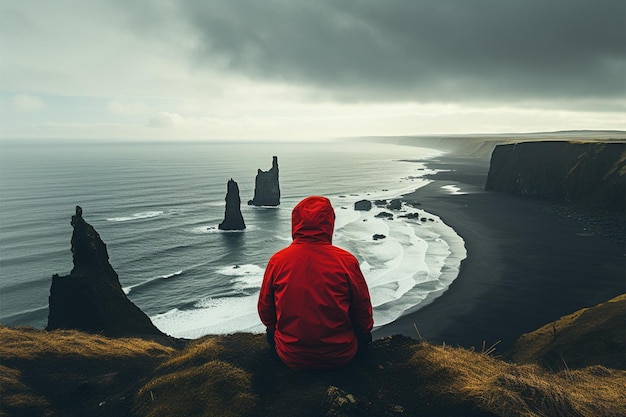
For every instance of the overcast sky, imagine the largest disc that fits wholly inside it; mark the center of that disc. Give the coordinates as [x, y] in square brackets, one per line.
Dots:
[307, 69]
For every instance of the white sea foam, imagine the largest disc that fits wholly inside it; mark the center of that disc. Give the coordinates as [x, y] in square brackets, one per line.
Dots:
[414, 259]
[241, 270]
[453, 189]
[415, 262]
[168, 276]
[212, 316]
[245, 277]
[137, 216]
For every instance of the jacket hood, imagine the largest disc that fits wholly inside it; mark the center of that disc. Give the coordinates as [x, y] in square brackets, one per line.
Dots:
[313, 220]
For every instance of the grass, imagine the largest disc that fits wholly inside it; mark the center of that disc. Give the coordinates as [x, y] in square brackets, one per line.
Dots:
[586, 337]
[26, 343]
[508, 389]
[215, 388]
[68, 373]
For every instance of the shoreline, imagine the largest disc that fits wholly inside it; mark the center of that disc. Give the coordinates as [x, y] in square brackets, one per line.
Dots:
[525, 267]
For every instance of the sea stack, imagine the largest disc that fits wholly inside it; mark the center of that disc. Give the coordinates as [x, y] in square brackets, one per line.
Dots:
[91, 298]
[233, 220]
[266, 188]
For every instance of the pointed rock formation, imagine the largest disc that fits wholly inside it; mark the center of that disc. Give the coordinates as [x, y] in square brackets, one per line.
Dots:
[266, 188]
[233, 220]
[91, 298]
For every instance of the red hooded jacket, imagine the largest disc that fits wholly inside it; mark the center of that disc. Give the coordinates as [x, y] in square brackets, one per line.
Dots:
[314, 298]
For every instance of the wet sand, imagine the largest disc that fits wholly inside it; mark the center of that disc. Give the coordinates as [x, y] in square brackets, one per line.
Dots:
[525, 267]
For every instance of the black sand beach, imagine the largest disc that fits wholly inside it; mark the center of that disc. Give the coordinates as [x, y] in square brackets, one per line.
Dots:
[525, 266]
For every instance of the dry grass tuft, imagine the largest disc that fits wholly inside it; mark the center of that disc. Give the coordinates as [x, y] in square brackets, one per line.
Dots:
[215, 388]
[66, 372]
[197, 352]
[590, 336]
[522, 390]
[73, 373]
[25, 343]
[16, 397]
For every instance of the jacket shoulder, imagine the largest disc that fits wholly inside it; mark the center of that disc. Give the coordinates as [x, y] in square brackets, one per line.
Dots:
[344, 254]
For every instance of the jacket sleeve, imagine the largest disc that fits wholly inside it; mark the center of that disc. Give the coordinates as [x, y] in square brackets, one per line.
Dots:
[265, 305]
[361, 305]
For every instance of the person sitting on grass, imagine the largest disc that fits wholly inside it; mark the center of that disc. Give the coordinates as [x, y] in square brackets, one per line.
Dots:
[314, 300]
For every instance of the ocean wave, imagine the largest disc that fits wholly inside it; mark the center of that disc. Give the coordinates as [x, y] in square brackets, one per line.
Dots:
[137, 216]
[413, 252]
[245, 277]
[151, 281]
[33, 315]
[213, 316]
[204, 229]
[453, 189]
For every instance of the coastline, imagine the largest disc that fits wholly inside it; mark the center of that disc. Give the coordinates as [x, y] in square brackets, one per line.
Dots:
[525, 266]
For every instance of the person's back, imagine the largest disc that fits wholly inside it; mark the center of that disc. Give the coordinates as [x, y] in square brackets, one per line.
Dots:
[314, 299]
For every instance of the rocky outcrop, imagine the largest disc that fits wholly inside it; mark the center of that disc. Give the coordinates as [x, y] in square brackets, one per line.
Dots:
[91, 298]
[266, 187]
[589, 173]
[233, 219]
[363, 205]
[395, 204]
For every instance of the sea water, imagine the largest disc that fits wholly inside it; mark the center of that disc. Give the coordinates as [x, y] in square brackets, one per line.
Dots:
[157, 207]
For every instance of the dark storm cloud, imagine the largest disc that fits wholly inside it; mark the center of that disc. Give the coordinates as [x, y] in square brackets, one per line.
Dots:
[428, 50]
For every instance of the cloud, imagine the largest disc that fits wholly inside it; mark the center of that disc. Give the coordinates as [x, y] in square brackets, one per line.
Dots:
[28, 103]
[483, 51]
[457, 50]
[167, 120]
[296, 68]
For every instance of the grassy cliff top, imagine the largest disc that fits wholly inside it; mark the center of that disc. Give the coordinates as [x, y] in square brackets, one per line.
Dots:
[586, 337]
[69, 373]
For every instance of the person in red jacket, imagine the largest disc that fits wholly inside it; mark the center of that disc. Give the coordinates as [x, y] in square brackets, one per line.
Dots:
[314, 300]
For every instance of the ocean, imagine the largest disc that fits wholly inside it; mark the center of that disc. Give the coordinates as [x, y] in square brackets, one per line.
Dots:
[157, 207]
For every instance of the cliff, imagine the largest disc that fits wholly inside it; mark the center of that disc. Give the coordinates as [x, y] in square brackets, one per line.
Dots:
[91, 298]
[233, 219]
[266, 187]
[590, 174]
[586, 337]
[481, 146]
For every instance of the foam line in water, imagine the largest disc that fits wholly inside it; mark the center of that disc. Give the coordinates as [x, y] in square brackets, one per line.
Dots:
[453, 189]
[137, 216]
[244, 277]
[151, 281]
[168, 276]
